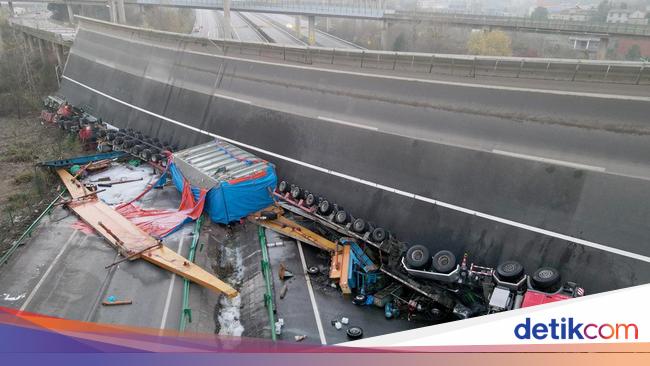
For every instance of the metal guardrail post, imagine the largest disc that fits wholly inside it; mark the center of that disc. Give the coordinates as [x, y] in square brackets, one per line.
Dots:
[638, 77]
[30, 229]
[573, 78]
[186, 311]
[266, 271]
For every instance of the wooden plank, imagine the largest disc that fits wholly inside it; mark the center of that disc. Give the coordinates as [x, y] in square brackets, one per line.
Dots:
[293, 230]
[335, 265]
[129, 239]
[345, 271]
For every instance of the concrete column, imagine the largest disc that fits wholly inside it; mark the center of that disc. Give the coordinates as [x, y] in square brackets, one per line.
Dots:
[328, 24]
[601, 54]
[296, 26]
[58, 51]
[41, 47]
[311, 21]
[384, 35]
[70, 13]
[112, 10]
[28, 41]
[226, 20]
[120, 11]
[11, 9]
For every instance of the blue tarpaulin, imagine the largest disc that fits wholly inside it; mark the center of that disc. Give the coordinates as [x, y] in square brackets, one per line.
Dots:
[235, 199]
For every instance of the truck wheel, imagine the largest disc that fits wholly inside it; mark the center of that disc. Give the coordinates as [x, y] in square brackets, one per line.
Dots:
[545, 277]
[417, 256]
[354, 332]
[444, 261]
[378, 235]
[325, 208]
[359, 226]
[341, 217]
[283, 186]
[310, 200]
[296, 192]
[510, 271]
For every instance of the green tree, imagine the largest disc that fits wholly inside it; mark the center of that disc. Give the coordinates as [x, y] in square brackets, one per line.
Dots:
[540, 13]
[601, 14]
[633, 53]
[400, 43]
[494, 43]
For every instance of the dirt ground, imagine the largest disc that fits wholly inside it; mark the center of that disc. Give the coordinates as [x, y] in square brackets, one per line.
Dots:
[27, 189]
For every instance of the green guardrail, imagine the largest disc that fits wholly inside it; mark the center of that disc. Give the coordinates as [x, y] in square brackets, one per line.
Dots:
[266, 270]
[186, 311]
[28, 232]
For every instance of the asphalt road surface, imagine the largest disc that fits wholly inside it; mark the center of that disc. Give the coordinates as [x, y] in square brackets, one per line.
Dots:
[60, 271]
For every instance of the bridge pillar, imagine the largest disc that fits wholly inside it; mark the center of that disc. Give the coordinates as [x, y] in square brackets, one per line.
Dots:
[311, 21]
[70, 13]
[226, 20]
[11, 9]
[28, 41]
[121, 14]
[296, 27]
[601, 54]
[58, 51]
[384, 35]
[328, 24]
[41, 51]
[112, 11]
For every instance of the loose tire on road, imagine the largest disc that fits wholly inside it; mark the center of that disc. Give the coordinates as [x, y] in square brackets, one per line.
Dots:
[444, 261]
[510, 271]
[354, 332]
[545, 277]
[417, 256]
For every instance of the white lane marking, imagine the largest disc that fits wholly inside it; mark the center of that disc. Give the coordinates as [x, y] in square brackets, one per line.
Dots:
[232, 98]
[312, 298]
[170, 290]
[47, 272]
[401, 78]
[380, 186]
[550, 161]
[334, 120]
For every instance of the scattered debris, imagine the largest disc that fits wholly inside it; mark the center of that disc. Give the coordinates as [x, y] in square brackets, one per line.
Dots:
[354, 332]
[283, 291]
[299, 338]
[338, 325]
[345, 320]
[284, 273]
[117, 302]
[313, 270]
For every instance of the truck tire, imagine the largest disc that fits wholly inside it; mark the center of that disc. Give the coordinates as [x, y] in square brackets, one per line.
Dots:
[444, 261]
[325, 208]
[283, 187]
[341, 217]
[378, 235]
[417, 256]
[310, 200]
[296, 192]
[359, 226]
[354, 332]
[510, 271]
[545, 277]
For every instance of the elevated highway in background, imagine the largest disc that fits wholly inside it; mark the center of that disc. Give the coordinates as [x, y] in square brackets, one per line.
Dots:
[376, 9]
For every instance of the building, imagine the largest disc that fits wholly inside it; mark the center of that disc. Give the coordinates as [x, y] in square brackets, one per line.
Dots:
[576, 14]
[627, 16]
[638, 17]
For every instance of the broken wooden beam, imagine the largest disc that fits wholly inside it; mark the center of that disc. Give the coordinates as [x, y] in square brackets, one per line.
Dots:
[129, 239]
